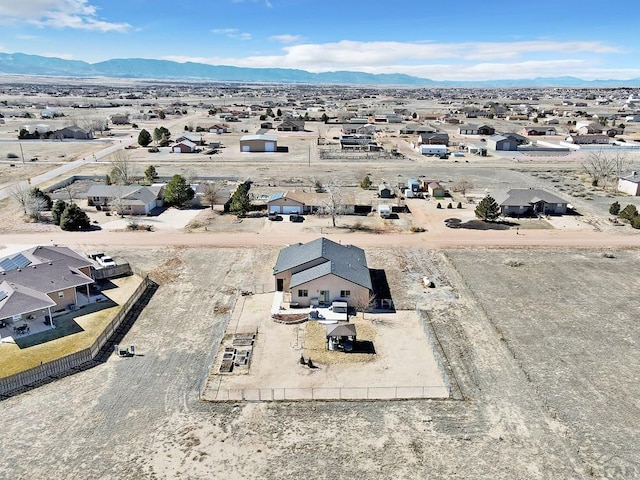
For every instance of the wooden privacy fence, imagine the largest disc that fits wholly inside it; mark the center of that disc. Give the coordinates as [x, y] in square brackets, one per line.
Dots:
[74, 361]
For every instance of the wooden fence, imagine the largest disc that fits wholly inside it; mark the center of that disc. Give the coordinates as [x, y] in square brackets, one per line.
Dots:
[46, 372]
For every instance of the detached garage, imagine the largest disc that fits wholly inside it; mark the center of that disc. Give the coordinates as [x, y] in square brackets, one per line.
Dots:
[258, 143]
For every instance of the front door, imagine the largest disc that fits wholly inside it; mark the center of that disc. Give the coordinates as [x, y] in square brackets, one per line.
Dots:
[324, 296]
[280, 284]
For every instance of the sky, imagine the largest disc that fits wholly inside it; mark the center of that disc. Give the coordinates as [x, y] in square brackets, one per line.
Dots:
[460, 40]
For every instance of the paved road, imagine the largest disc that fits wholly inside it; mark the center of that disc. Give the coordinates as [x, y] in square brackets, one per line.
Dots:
[68, 167]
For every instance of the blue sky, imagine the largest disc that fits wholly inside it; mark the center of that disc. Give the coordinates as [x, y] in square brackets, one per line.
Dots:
[461, 40]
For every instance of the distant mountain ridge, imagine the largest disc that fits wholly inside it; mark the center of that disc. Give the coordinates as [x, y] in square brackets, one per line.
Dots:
[140, 68]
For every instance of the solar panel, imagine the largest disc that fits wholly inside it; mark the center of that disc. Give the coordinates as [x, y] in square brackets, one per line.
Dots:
[3, 295]
[7, 265]
[21, 261]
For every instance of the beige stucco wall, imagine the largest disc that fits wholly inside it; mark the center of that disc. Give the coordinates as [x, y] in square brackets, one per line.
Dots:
[329, 282]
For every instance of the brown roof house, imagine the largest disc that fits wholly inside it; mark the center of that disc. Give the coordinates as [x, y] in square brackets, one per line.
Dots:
[38, 283]
[321, 272]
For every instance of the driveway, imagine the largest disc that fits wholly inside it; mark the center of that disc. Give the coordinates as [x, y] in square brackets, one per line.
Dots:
[170, 219]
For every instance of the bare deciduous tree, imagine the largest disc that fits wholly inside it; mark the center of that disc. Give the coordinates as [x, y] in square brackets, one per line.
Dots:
[333, 205]
[122, 168]
[600, 166]
[35, 206]
[463, 185]
[21, 195]
[72, 190]
[210, 191]
[118, 202]
[364, 301]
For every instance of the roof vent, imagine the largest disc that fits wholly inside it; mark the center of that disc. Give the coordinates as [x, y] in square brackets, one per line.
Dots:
[634, 173]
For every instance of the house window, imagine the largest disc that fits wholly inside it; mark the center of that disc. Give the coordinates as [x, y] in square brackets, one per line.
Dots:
[345, 293]
[303, 293]
[95, 199]
[60, 294]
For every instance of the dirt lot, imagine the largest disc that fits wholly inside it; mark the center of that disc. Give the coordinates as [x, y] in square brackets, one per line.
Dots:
[402, 359]
[544, 366]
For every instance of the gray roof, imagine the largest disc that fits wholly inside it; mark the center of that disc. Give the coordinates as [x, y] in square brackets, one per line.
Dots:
[132, 194]
[26, 288]
[526, 196]
[54, 253]
[20, 299]
[341, 330]
[42, 254]
[47, 277]
[634, 177]
[345, 261]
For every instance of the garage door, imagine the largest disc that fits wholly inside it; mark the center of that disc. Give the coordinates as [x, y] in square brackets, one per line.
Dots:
[246, 148]
[289, 209]
[269, 147]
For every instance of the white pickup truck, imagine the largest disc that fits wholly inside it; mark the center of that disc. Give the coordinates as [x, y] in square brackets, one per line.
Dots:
[106, 261]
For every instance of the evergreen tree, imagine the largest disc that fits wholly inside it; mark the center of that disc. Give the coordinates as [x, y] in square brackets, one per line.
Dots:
[73, 218]
[365, 183]
[240, 201]
[144, 138]
[58, 209]
[161, 135]
[487, 209]
[629, 212]
[178, 192]
[614, 209]
[150, 174]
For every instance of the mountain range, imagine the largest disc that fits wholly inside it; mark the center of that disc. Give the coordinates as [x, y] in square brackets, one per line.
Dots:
[140, 68]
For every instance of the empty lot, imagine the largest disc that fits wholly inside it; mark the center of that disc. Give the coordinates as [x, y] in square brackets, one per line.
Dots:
[544, 366]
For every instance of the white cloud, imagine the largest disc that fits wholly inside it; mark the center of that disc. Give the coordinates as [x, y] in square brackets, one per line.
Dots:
[232, 33]
[444, 61]
[266, 3]
[76, 14]
[286, 38]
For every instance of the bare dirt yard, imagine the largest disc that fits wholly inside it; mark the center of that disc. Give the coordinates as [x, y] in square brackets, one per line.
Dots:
[543, 367]
[399, 364]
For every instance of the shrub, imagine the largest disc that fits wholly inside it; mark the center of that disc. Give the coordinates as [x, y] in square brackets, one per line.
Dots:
[459, 205]
[438, 205]
[414, 229]
[449, 205]
[635, 222]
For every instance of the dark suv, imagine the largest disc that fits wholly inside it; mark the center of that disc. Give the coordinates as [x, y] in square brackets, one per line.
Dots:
[296, 218]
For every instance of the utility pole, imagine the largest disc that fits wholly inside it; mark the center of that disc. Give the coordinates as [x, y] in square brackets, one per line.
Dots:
[22, 153]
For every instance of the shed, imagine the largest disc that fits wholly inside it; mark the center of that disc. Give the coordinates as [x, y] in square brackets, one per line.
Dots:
[258, 143]
[385, 191]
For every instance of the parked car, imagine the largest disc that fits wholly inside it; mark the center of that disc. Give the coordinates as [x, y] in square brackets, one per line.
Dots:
[296, 218]
[275, 218]
[106, 261]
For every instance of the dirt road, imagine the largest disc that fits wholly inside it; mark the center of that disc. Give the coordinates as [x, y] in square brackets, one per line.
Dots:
[450, 239]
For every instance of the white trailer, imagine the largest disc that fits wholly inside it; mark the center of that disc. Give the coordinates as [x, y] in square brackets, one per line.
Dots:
[384, 211]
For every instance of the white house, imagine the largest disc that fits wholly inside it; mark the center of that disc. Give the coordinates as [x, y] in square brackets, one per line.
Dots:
[630, 184]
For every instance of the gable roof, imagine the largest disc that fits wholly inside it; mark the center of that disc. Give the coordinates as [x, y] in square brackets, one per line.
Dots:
[526, 196]
[341, 330]
[634, 177]
[345, 261]
[18, 299]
